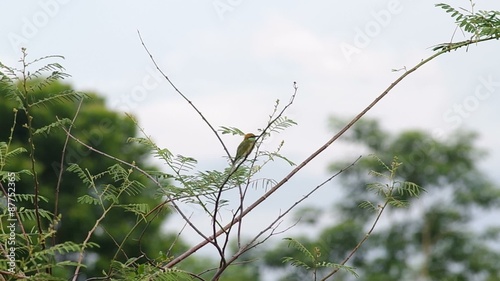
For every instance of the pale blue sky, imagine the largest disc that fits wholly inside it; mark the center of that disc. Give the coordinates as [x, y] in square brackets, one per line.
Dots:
[234, 60]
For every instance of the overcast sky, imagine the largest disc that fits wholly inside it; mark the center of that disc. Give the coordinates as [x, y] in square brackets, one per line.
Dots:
[234, 58]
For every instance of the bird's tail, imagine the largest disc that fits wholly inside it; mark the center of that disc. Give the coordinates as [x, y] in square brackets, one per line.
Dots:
[234, 165]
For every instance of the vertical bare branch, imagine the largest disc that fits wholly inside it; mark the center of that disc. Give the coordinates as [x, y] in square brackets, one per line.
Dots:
[61, 170]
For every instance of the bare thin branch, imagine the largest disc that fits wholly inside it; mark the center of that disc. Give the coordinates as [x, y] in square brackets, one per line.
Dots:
[61, 169]
[183, 96]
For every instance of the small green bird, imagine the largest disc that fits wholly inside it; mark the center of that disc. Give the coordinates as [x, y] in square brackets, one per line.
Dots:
[245, 147]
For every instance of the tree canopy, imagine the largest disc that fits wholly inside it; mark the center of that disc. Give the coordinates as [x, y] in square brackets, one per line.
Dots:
[102, 129]
[435, 237]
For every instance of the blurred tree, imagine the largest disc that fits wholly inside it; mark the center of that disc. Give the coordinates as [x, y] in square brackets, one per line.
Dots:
[106, 131]
[435, 238]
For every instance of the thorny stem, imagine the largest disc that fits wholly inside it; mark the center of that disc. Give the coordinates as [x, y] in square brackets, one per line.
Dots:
[31, 143]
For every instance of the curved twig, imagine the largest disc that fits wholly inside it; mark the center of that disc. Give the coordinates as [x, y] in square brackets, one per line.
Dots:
[61, 170]
[183, 96]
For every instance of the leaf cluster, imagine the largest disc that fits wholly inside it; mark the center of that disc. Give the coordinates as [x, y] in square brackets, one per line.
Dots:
[480, 24]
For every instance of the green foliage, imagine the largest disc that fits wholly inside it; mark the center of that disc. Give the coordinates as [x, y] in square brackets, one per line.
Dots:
[45, 130]
[388, 189]
[108, 194]
[133, 270]
[231, 130]
[114, 203]
[281, 123]
[6, 155]
[313, 258]
[437, 229]
[481, 24]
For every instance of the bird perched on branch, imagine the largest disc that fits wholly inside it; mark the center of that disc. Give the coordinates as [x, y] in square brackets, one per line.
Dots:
[245, 148]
